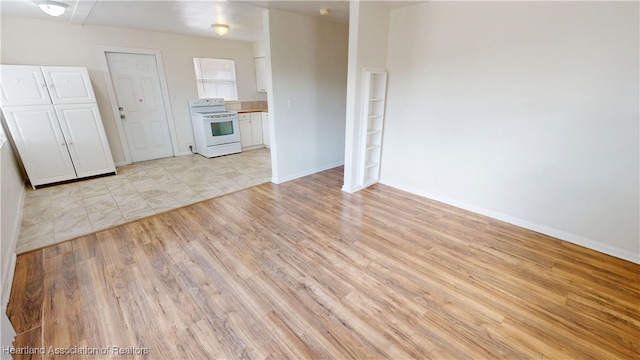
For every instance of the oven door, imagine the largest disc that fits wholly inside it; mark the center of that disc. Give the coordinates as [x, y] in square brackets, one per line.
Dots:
[221, 129]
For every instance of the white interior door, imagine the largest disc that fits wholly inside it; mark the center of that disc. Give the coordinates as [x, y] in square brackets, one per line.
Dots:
[137, 86]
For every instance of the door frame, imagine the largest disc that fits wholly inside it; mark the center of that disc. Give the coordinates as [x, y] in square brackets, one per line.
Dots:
[104, 65]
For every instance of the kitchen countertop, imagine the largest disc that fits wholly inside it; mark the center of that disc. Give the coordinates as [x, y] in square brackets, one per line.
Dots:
[251, 110]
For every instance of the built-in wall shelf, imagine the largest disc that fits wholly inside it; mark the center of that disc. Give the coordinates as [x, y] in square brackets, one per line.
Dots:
[369, 164]
[374, 90]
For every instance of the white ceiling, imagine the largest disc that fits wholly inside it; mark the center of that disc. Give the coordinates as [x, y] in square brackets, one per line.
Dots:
[182, 17]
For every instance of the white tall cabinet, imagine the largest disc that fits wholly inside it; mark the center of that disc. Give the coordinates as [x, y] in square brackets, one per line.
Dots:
[375, 90]
[53, 118]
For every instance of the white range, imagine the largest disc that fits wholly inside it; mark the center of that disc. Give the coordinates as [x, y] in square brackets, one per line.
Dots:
[216, 130]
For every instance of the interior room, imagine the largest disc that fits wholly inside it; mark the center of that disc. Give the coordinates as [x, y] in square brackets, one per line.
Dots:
[375, 179]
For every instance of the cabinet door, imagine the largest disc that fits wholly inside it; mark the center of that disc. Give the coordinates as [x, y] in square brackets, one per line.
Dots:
[261, 74]
[22, 85]
[266, 132]
[246, 138]
[69, 85]
[87, 142]
[256, 128]
[42, 147]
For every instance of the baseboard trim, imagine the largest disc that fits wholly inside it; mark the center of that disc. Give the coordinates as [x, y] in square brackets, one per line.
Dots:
[543, 229]
[185, 153]
[7, 282]
[352, 189]
[280, 180]
[123, 163]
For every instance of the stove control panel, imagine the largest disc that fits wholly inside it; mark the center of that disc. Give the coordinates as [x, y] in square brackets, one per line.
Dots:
[206, 102]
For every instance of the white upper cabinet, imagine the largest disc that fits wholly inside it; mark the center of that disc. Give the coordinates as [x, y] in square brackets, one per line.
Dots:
[68, 85]
[22, 85]
[36, 85]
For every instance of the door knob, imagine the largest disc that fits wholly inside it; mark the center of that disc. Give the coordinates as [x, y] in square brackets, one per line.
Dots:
[120, 108]
[122, 116]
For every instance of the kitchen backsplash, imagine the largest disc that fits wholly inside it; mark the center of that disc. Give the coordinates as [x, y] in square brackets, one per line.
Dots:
[243, 105]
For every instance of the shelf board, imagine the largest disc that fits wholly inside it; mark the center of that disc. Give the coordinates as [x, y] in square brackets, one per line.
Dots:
[373, 146]
[376, 99]
[373, 131]
[370, 164]
[374, 116]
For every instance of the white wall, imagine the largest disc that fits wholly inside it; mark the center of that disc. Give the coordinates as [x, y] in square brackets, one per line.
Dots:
[44, 42]
[258, 49]
[525, 111]
[308, 61]
[12, 191]
[368, 31]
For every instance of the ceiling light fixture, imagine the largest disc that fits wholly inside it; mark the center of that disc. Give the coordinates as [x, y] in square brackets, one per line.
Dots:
[324, 12]
[220, 29]
[52, 8]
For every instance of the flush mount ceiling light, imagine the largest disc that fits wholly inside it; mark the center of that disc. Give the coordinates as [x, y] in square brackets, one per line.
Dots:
[52, 8]
[220, 29]
[324, 12]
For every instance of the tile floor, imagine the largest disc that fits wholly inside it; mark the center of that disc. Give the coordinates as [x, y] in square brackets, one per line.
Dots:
[62, 212]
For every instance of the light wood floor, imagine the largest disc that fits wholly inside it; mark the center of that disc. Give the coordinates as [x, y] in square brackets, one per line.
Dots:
[302, 270]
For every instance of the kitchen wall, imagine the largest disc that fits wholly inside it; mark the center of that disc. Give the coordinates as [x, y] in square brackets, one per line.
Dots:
[46, 42]
[368, 31]
[307, 93]
[525, 111]
[258, 49]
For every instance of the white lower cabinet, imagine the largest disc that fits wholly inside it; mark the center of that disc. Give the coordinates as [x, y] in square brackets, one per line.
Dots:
[39, 140]
[58, 143]
[251, 129]
[246, 139]
[256, 128]
[86, 139]
[266, 132]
